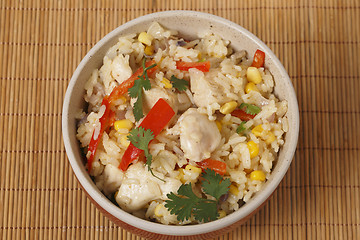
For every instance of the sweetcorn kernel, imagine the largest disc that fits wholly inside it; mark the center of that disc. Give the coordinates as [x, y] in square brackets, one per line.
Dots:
[269, 137]
[234, 190]
[253, 75]
[157, 210]
[124, 141]
[222, 214]
[149, 50]
[228, 107]
[181, 175]
[258, 130]
[250, 86]
[145, 38]
[257, 175]
[167, 83]
[123, 124]
[219, 126]
[253, 149]
[193, 169]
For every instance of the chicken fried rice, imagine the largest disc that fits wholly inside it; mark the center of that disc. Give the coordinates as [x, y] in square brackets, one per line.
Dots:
[222, 115]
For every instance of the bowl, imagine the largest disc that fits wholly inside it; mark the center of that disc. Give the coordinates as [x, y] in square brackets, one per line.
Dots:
[188, 24]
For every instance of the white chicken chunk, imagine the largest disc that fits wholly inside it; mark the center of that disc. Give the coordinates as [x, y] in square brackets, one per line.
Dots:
[110, 179]
[121, 69]
[199, 136]
[150, 97]
[206, 90]
[137, 189]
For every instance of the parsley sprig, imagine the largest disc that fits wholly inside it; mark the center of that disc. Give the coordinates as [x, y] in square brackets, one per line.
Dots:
[185, 203]
[250, 108]
[136, 91]
[140, 138]
[179, 84]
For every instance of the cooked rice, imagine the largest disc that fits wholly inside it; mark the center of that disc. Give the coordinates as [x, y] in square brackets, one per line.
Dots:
[224, 83]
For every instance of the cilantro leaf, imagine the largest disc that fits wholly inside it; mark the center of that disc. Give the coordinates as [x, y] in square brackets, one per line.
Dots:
[250, 108]
[182, 205]
[179, 84]
[214, 184]
[136, 91]
[241, 128]
[185, 203]
[140, 138]
[206, 211]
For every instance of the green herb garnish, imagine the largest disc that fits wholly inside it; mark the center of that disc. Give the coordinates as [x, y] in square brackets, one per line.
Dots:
[185, 203]
[140, 138]
[250, 108]
[136, 91]
[241, 128]
[179, 84]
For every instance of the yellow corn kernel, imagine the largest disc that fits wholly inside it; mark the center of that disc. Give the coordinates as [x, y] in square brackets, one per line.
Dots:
[219, 126]
[167, 83]
[258, 130]
[199, 56]
[157, 210]
[149, 50]
[269, 137]
[145, 38]
[253, 149]
[193, 169]
[228, 107]
[253, 75]
[222, 214]
[123, 98]
[124, 141]
[123, 124]
[181, 175]
[234, 190]
[257, 175]
[250, 86]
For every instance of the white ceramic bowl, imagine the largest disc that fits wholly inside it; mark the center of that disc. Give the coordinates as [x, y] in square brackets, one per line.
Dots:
[188, 23]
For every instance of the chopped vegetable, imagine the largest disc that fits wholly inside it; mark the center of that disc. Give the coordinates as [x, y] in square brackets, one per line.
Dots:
[185, 66]
[239, 113]
[259, 59]
[241, 128]
[141, 138]
[106, 121]
[250, 109]
[217, 166]
[108, 117]
[185, 203]
[142, 82]
[123, 88]
[179, 84]
[157, 118]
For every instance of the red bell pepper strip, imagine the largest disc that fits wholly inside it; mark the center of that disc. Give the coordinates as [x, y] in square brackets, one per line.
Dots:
[157, 118]
[239, 113]
[259, 59]
[185, 66]
[106, 121]
[217, 166]
[109, 116]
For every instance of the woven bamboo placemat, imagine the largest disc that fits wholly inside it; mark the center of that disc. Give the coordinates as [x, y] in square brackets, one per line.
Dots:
[42, 42]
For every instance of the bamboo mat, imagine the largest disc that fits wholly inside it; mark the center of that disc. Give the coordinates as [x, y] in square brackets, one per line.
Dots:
[42, 42]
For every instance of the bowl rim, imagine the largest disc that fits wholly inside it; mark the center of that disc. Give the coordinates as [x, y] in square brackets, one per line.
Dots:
[186, 230]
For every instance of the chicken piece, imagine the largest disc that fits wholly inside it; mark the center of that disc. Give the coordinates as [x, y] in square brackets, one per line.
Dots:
[198, 135]
[206, 90]
[138, 188]
[110, 179]
[150, 97]
[121, 69]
